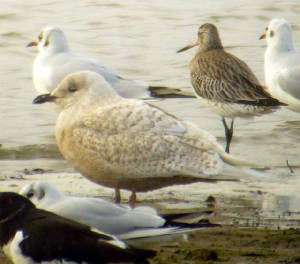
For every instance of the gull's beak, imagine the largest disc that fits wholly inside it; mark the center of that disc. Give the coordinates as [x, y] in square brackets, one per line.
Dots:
[196, 43]
[44, 98]
[263, 36]
[31, 44]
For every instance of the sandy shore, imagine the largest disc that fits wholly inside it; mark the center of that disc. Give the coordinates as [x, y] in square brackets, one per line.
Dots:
[277, 240]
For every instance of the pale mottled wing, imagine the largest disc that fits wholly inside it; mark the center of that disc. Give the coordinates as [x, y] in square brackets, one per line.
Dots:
[134, 116]
[289, 81]
[145, 139]
[220, 76]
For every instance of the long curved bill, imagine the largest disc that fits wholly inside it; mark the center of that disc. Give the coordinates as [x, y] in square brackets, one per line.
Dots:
[196, 43]
[31, 44]
[44, 98]
[263, 36]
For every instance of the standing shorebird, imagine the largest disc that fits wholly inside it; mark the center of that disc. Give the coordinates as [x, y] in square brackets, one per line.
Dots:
[225, 83]
[282, 64]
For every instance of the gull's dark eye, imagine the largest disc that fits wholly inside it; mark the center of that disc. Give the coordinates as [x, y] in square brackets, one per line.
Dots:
[271, 33]
[267, 28]
[30, 194]
[72, 88]
[40, 37]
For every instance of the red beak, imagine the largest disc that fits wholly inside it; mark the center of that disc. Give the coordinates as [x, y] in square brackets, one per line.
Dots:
[31, 44]
[263, 36]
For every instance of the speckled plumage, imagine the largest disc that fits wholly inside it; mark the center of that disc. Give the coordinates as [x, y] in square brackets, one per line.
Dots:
[222, 78]
[127, 143]
[129, 139]
[225, 83]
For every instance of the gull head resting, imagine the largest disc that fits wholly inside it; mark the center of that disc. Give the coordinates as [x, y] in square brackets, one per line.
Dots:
[41, 193]
[85, 87]
[51, 40]
[279, 33]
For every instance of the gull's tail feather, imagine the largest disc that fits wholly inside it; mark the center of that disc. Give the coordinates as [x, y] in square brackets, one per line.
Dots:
[258, 174]
[166, 92]
[245, 173]
[139, 89]
[234, 167]
[196, 219]
[234, 161]
[174, 229]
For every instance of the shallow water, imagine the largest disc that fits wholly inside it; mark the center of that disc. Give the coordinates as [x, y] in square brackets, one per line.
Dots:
[139, 40]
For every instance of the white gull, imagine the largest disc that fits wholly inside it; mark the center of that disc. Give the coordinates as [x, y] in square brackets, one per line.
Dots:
[55, 61]
[282, 64]
[123, 221]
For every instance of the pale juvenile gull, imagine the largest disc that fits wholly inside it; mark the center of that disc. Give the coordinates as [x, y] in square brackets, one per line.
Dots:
[29, 235]
[128, 143]
[55, 61]
[282, 64]
[106, 216]
[225, 83]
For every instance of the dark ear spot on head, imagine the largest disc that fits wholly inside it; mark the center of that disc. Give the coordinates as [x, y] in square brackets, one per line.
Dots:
[272, 33]
[41, 194]
[71, 88]
[47, 42]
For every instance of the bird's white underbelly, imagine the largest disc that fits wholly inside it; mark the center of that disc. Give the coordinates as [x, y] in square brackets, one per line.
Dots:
[233, 110]
[13, 251]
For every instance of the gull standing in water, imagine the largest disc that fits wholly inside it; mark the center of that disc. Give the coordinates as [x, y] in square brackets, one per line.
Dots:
[128, 143]
[282, 64]
[225, 83]
[55, 61]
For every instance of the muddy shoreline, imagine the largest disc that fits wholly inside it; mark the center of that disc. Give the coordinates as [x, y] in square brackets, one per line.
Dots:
[228, 245]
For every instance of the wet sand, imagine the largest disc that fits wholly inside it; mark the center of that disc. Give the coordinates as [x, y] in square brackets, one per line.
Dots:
[247, 233]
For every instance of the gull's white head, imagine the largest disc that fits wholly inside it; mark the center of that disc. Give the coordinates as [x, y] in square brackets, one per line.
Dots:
[51, 39]
[279, 33]
[41, 193]
[83, 87]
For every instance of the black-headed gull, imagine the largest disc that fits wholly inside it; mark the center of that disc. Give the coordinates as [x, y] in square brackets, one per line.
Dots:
[282, 64]
[125, 222]
[128, 143]
[55, 61]
[29, 235]
[225, 83]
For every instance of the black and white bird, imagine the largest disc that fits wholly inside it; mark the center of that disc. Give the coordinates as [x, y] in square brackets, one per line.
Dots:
[123, 221]
[33, 236]
[55, 61]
